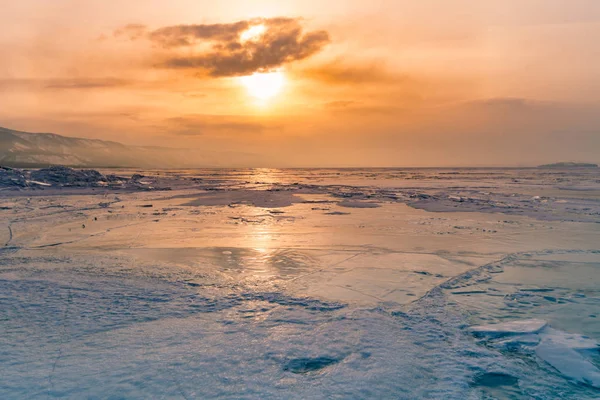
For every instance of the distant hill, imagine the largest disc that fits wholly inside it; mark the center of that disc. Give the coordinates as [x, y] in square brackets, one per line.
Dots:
[569, 165]
[35, 150]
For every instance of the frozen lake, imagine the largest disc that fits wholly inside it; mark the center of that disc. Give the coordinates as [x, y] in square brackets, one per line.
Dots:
[260, 283]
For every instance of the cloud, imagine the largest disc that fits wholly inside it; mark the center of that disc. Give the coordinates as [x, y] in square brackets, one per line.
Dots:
[342, 73]
[512, 106]
[340, 104]
[131, 31]
[356, 108]
[58, 83]
[196, 125]
[85, 83]
[506, 102]
[188, 35]
[220, 49]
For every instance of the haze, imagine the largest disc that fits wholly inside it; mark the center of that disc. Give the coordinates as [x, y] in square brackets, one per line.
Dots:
[312, 83]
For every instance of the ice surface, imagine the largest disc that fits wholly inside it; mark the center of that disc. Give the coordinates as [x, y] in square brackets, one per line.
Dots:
[548, 336]
[238, 284]
[516, 342]
[569, 363]
[510, 328]
[553, 346]
[573, 341]
[59, 177]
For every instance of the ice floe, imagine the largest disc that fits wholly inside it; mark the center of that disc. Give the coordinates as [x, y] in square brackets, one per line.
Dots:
[570, 340]
[563, 351]
[569, 363]
[510, 328]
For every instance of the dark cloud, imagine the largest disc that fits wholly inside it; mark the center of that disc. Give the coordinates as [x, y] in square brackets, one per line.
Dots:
[187, 35]
[225, 53]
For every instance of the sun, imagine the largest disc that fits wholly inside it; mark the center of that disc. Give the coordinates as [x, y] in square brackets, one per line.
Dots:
[263, 85]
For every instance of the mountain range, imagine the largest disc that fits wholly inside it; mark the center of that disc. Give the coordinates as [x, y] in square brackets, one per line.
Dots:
[32, 150]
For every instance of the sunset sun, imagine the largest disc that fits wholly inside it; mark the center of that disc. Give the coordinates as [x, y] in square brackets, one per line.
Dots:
[263, 85]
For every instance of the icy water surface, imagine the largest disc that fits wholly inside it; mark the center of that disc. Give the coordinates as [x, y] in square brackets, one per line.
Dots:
[349, 284]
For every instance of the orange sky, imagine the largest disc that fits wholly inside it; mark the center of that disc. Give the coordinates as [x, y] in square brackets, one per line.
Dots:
[363, 83]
